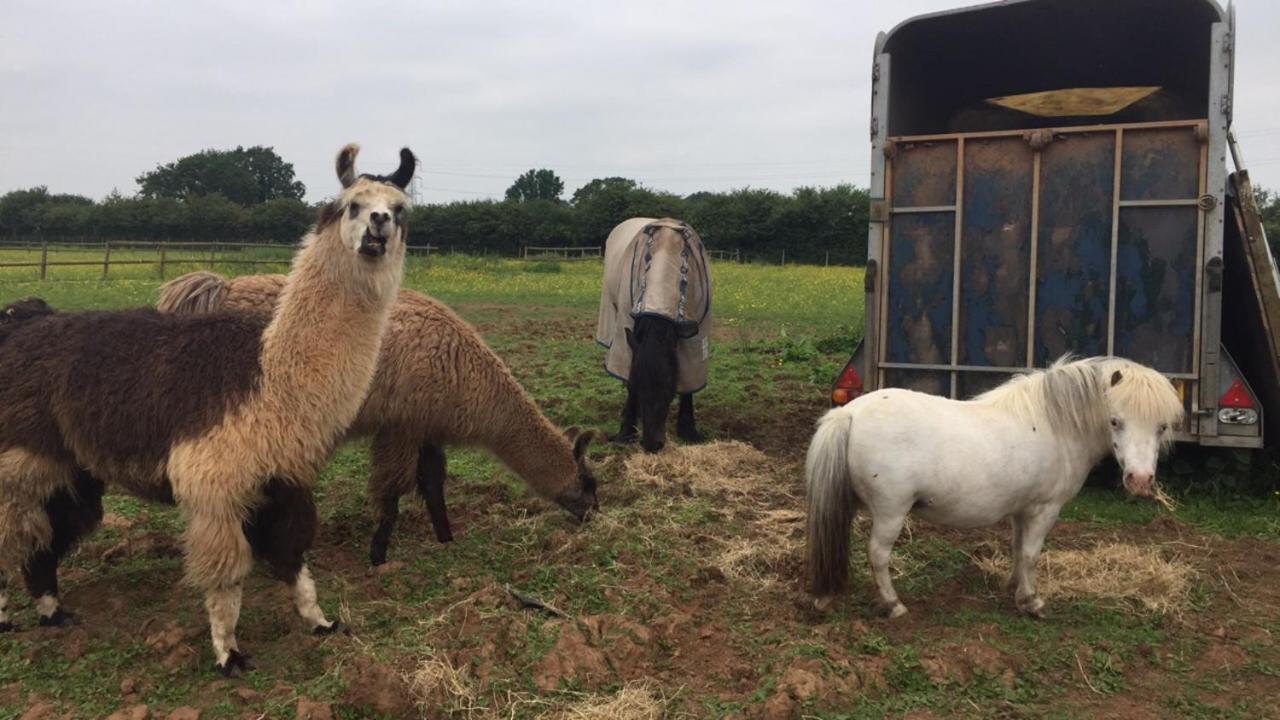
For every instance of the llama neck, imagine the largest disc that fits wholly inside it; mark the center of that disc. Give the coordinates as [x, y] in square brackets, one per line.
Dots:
[320, 350]
[528, 443]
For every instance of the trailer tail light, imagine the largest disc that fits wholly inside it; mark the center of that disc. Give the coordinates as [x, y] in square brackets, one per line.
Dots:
[1237, 405]
[848, 386]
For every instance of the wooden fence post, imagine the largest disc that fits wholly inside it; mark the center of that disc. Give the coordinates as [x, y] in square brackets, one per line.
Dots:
[44, 259]
[106, 259]
[162, 259]
[784, 256]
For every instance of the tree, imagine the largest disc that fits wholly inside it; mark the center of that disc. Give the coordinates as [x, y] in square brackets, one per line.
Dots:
[1269, 206]
[536, 185]
[27, 210]
[245, 176]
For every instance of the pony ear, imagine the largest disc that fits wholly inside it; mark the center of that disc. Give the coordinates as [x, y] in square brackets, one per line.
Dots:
[347, 164]
[582, 441]
[1116, 377]
[404, 173]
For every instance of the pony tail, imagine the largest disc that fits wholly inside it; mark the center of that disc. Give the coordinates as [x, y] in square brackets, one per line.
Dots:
[832, 504]
[193, 294]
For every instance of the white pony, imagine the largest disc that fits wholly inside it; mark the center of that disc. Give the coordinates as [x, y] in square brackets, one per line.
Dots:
[1020, 451]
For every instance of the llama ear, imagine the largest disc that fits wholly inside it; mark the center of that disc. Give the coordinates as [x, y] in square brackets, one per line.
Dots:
[404, 173]
[347, 165]
[1116, 377]
[572, 433]
[580, 444]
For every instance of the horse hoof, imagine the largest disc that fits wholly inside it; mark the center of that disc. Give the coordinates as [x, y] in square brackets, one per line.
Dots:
[335, 627]
[235, 665]
[6, 626]
[59, 618]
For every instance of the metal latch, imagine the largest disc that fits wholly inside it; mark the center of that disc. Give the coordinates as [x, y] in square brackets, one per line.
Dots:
[1213, 270]
[879, 211]
[1207, 202]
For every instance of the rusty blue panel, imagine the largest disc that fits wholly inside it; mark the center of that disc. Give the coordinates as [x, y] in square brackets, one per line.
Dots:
[933, 382]
[1160, 164]
[921, 257]
[995, 263]
[924, 174]
[1073, 271]
[1155, 286]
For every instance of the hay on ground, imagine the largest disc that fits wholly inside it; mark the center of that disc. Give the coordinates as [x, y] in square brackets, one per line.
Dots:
[733, 468]
[633, 702]
[1128, 575]
[436, 684]
[762, 558]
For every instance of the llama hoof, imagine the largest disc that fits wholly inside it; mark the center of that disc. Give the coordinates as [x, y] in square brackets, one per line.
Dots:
[378, 558]
[6, 626]
[335, 627]
[626, 438]
[822, 604]
[59, 618]
[235, 665]
[444, 537]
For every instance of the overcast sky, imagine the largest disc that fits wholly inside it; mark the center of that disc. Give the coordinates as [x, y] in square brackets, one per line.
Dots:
[683, 96]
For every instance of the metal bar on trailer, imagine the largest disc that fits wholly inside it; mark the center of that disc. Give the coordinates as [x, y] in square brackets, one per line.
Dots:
[1165, 124]
[1115, 242]
[992, 369]
[882, 284]
[923, 209]
[877, 233]
[1201, 218]
[955, 277]
[1219, 121]
[1035, 246]
[1160, 203]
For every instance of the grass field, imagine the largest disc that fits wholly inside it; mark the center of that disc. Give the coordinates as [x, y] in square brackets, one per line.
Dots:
[684, 596]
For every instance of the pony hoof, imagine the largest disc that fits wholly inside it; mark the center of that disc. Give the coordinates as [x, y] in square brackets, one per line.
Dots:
[1033, 608]
[335, 627]
[6, 626]
[235, 665]
[59, 618]
[896, 611]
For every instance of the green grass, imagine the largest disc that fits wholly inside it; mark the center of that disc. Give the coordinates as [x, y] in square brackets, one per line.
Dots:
[781, 335]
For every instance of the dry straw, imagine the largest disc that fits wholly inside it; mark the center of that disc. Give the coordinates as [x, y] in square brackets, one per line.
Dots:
[1126, 575]
[633, 702]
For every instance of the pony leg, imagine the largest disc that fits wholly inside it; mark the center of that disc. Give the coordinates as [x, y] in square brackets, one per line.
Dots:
[281, 531]
[1035, 529]
[884, 533]
[686, 427]
[73, 512]
[432, 472]
[394, 460]
[628, 433]
[1015, 554]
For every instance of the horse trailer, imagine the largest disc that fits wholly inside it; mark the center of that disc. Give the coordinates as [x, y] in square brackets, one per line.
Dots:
[1049, 177]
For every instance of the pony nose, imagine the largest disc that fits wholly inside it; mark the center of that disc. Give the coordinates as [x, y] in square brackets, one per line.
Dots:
[1142, 484]
[379, 218]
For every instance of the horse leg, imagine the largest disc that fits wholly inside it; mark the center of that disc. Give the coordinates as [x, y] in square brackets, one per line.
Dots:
[218, 557]
[1036, 527]
[686, 428]
[281, 531]
[394, 458]
[628, 433]
[73, 512]
[1015, 552]
[432, 471]
[884, 533]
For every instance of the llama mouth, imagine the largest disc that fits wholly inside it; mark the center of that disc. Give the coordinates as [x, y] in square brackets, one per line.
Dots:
[372, 246]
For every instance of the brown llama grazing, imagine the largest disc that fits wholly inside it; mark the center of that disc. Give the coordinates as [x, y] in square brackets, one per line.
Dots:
[438, 384]
[231, 417]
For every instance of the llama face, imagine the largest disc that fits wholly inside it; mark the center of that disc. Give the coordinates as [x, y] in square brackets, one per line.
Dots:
[373, 217]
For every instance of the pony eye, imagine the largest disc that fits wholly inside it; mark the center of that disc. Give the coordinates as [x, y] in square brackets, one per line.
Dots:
[1115, 423]
[355, 209]
[1164, 427]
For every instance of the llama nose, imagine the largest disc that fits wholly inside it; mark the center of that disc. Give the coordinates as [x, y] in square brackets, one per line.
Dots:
[379, 218]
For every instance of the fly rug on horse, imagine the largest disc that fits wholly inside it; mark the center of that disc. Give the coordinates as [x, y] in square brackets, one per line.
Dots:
[1020, 451]
[655, 319]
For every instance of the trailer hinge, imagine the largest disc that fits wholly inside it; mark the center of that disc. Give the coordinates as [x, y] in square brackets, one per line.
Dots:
[875, 72]
[1213, 269]
[1225, 103]
[879, 211]
[875, 127]
[1207, 202]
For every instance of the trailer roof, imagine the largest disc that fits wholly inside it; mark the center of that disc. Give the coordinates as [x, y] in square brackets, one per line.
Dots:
[946, 64]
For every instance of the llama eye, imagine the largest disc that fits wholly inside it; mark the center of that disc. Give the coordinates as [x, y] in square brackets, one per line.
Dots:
[355, 209]
[399, 209]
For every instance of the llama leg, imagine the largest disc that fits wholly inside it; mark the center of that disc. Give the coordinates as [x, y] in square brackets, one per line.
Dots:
[218, 557]
[5, 624]
[73, 512]
[884, 533]
[394, 461]
[628, 433]
[686, 427]
[281, 531]
[1035, 529]
[432, 471]
[27, 482]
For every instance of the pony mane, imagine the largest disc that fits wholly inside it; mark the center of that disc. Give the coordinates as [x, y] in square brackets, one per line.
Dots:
[1074, 395]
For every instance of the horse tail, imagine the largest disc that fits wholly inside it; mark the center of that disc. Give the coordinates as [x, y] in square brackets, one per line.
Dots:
[11, 316]
[832, 504]
[194, 293]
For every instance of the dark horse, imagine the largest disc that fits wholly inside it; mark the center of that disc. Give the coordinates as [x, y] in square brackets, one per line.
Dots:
[655, 319]
[652, 386]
